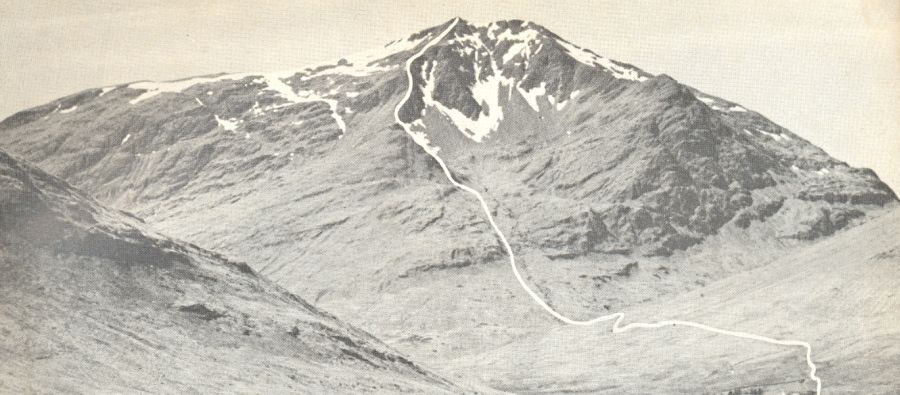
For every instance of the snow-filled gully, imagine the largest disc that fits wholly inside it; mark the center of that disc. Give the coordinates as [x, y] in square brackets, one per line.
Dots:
[617, 318]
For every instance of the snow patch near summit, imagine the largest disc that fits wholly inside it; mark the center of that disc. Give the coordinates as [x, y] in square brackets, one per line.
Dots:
[153, 88]
[775, 136]
[717, 104]
[106, 90]
[485, 91]
[284, 90]
[707, 100]
[591, 59]
[364, 63]
[522, 43]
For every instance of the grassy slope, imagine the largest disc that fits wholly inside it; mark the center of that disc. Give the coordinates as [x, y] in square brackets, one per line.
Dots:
[92, 301]
[838, 294]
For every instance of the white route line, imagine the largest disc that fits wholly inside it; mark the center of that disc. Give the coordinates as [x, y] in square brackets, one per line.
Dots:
[617, 317]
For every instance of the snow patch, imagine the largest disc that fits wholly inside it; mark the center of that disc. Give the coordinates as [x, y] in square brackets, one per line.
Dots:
[198, 101]
[256, 110]
[68, 110]
[707, 100]
[523, 42]
[347, 69]
[775, 136]
[591, 59]
[127, 136]
[362, 64]
[106, 90]
[485, 91]
[274, 83]
[532, 94]
[227, 124]
[421, 138]
[712, 103]
[153, 88]
[559, 105]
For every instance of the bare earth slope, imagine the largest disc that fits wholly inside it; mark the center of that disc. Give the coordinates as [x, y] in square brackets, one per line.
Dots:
[93, 302]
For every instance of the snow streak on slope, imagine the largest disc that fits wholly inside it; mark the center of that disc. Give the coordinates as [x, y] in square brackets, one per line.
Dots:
[276, 84]
[364, 63]
[155, 88]
[591, 59]
[522, 44]
[227, 124]
[532, 95]
[420, 138]
[272, 80]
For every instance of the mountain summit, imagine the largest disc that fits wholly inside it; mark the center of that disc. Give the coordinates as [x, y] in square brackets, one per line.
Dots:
[614, 186]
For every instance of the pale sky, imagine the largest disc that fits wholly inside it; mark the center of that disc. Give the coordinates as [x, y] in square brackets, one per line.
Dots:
[827, 70]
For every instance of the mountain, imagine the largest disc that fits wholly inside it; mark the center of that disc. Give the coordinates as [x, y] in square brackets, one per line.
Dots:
[93, 301]
[615, 187]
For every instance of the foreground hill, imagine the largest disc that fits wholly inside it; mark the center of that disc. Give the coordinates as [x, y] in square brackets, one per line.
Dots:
[93, 302]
